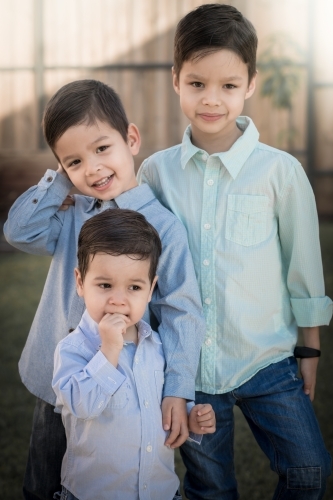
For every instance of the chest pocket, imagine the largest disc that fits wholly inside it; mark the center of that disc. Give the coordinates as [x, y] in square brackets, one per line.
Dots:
[246, 219]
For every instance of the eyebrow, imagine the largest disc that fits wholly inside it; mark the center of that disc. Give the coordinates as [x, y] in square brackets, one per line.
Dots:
[107, 278]
[200, 77]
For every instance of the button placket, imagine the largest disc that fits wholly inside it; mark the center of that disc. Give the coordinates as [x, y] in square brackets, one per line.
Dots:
[210, 187]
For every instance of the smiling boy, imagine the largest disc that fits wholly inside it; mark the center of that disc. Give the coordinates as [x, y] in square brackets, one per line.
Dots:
[86, 127]
[109, 373]
[252, 225]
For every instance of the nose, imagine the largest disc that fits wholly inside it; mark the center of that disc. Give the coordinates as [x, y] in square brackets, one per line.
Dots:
[211, 97]
[92, 166]
[117, 298]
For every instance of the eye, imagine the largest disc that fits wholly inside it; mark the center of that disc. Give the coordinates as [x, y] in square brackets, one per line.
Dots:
[74, 163]
[100, 149]
[229, 86]
[135, 288]
[104, 285]
[197, 85]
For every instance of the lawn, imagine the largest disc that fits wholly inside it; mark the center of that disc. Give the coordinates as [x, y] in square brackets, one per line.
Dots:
[22, 278]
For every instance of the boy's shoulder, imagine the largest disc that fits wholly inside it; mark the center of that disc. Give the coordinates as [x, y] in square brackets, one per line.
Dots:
[277, 153]
[166, 158]
[143, 200]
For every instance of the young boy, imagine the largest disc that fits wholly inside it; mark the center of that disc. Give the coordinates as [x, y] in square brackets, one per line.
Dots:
[252, 225]
[109, 373]
[87, 129]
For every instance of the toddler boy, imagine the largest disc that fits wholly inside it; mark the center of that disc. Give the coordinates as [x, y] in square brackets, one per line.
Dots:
[252, 225]
[86, 127]
[109, 373]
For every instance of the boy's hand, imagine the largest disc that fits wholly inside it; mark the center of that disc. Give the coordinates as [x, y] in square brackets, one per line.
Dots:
[202, 419]
[112, 328]
[308, 369]
[174, 419]
[68, 202]
[62, 171]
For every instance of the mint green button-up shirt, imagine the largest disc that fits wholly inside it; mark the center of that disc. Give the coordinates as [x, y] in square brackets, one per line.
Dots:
[252, 226]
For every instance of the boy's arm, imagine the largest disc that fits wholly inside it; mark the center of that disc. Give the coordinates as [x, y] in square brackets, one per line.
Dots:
[34, 223]
[84, 386]
[177, 306]
[308, 366]
[299, 236]
[301, 254]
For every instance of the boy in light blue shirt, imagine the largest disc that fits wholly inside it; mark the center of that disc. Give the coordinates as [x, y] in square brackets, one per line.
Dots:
[109, 372]
[252, 225]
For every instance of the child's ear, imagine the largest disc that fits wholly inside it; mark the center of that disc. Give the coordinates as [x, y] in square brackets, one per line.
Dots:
[152, 288]
[79, 282]
[252, 86]
[133, 139]
[175, 81]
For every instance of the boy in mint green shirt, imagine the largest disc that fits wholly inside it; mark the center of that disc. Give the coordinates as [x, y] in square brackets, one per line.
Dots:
[252, 225]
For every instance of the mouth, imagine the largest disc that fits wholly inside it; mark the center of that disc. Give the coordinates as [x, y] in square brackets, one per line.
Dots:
[210, 117]
[102, 183]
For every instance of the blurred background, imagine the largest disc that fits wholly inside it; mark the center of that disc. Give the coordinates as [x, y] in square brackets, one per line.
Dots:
[129, 45]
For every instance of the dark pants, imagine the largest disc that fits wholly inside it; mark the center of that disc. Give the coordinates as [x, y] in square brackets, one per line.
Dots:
[46, 450]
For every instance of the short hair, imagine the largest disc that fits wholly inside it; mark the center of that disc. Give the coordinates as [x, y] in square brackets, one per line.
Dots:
[83, 101]
[118, 231]
[212, 27]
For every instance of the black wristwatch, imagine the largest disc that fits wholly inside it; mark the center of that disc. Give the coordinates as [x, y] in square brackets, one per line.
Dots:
[306, 352]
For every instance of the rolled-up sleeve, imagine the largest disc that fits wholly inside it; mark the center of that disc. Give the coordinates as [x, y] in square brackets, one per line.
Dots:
[299, 236]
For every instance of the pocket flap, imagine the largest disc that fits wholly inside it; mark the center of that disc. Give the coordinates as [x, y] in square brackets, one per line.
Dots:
[246, 203]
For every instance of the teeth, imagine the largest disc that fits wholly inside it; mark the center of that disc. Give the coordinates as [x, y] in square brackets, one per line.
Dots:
[102, 182]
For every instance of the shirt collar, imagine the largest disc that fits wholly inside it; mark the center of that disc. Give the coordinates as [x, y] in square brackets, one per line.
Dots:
[90, 329]
[235, 157]
[134, 199]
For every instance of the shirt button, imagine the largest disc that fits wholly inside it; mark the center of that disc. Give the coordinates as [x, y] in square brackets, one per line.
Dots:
[208, 301]
[208, 342]
[206, 262]
[210, 182]
[207, 226]
[146, 403]
[145, 486]
[35, 201]
[49, 179]
[71, 330]
[149, 448]
[204, 157]
[136, 360]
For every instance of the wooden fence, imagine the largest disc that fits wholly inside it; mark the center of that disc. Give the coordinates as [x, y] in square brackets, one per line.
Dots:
[128, 44]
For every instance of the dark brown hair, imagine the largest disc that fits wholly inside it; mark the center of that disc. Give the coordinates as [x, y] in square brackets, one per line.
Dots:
[212, 27]
[118, 231]
[83, 101]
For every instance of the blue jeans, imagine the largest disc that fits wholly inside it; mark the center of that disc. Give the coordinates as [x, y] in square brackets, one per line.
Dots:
[283, 422]
[67, 495]
[46, 450]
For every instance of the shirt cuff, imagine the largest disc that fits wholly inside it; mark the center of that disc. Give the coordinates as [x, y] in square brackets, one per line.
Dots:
[315, 311]
[178, 387]
[60, 184]
[105, 374]
[195, 438]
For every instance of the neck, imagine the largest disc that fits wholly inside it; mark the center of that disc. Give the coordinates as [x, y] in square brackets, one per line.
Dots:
[215, 143]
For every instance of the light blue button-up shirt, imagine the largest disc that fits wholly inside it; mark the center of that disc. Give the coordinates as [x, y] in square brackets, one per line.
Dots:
[36, 226]
[112, 416]
[252, 225]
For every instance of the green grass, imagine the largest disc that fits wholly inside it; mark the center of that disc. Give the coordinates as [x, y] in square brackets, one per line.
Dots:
[22, 279]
